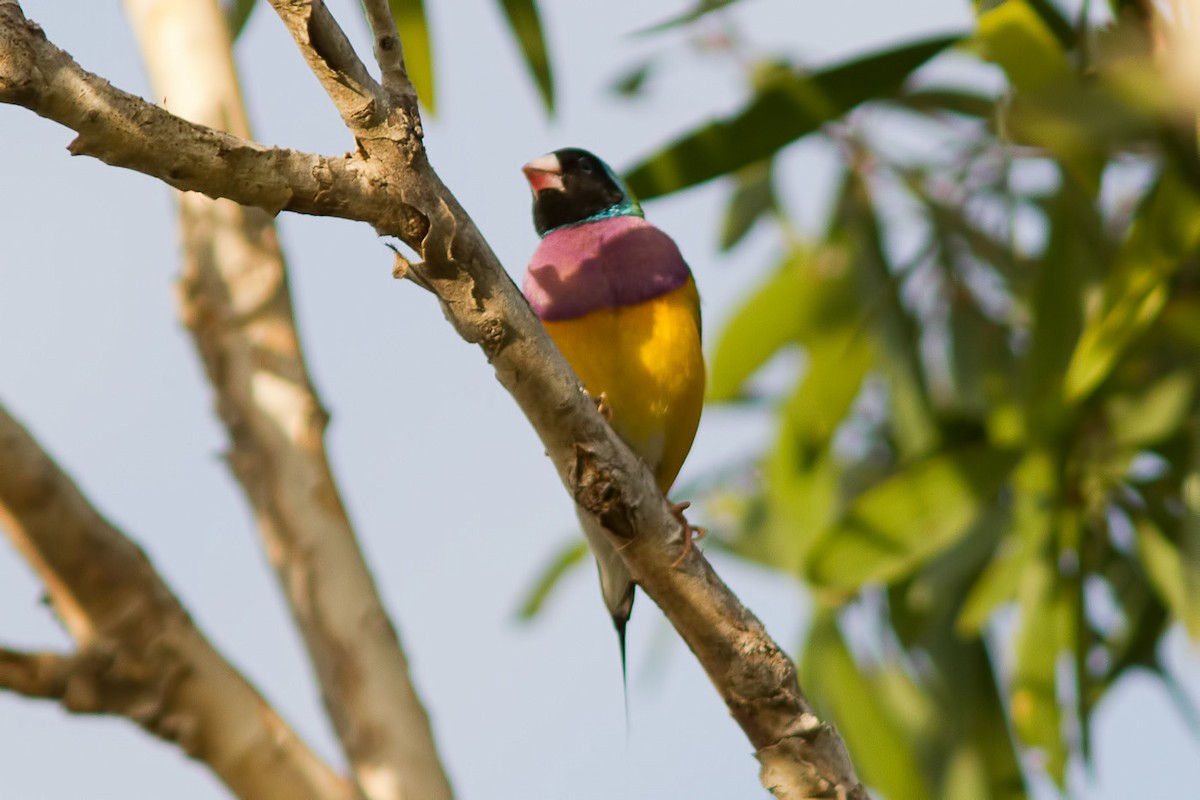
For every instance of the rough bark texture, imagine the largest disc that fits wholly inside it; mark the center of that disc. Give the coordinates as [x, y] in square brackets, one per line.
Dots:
[235, 301]
[139, 654]
[389, 184]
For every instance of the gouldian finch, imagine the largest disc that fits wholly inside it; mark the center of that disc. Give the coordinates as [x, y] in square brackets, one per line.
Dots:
[620, 302]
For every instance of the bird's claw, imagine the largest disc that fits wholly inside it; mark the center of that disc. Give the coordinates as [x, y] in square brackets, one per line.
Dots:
[691, 533]
[602, 406]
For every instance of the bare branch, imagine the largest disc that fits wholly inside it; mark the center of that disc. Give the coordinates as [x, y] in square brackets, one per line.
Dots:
[801, 756]
[332, 59]
[39, 675]
[389, 53]
[140, 654]
[234, 299]
[126, 131]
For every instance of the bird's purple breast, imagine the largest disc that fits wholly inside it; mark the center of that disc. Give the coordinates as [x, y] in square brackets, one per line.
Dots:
[620, 261]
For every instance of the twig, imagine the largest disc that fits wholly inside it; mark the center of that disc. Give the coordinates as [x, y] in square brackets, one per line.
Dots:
[389, 52]
[38, 675]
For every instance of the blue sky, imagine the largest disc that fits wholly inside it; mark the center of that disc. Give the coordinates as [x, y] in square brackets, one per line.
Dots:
[456, 505]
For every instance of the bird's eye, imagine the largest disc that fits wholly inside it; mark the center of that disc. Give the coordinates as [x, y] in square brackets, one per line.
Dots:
[586, 165]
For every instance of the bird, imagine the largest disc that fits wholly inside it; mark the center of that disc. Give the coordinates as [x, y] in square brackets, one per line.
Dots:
[620, 302]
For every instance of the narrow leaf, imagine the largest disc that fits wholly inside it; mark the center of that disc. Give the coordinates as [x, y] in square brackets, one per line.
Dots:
[753, 197]
[983, 760]
[788, 108]
[809, 290]
[1165, 233]
[1036, 486]
[572, 553]
[801, 473]
[1044, 620]
[237, 13]
[1190, 533]
[1152, 414]
[913, 423]
[838, 360]
[526, 24]
[1056, 21]
[1076, 256]
[851, 699]
[1165, 568]
[701, 9]
[949, 100]
[631, 82]
[412, 24]
[801, 498]
[1014, 36]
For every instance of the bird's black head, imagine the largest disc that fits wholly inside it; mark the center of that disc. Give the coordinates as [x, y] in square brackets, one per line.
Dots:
[572, 185]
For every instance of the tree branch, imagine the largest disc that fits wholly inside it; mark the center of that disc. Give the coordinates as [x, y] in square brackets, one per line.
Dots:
[801, 757]
[140, 655]
[389, 52]
[235, 301]
[40, 675]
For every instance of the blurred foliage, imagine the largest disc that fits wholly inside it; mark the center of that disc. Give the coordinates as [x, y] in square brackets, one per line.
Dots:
[986, 458]
[526, 25]
[237, 14]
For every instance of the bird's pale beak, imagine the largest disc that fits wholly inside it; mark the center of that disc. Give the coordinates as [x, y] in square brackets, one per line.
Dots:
[544, 172]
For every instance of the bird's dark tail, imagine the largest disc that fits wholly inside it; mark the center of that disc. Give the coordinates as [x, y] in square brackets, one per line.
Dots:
[619, 622]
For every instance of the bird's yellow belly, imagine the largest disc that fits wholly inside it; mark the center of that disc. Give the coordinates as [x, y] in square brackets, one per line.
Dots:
[647, 361]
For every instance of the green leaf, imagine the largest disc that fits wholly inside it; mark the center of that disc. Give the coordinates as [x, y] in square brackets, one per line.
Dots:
[883, 751]
[237, 14]
[1146, 417]
[801, 474]
[1076, 256]
[1164, 234]
[949, 100]
[1016, 37]
[1046, 625]
[1035, 483]
[1056, 21]
[913, 425]
[917, 512]
[788, 108]
[701, 9]
[981, 361]
[982, 760]
[1190, 533]
[412, 24]
[809, 290]
[569, 555]
[753, 197]
[800, 498]
[838, 360]
[522, 16]
[769, 319]
[1165, 567]
[1182, 321]
[631, 82]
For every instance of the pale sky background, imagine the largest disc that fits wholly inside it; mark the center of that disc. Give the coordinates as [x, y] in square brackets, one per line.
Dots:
[456, 505]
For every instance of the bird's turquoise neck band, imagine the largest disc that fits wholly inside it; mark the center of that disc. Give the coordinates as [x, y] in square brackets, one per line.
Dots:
[628, 207]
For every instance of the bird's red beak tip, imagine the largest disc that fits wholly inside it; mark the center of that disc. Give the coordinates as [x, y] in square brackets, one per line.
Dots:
[544, 173]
